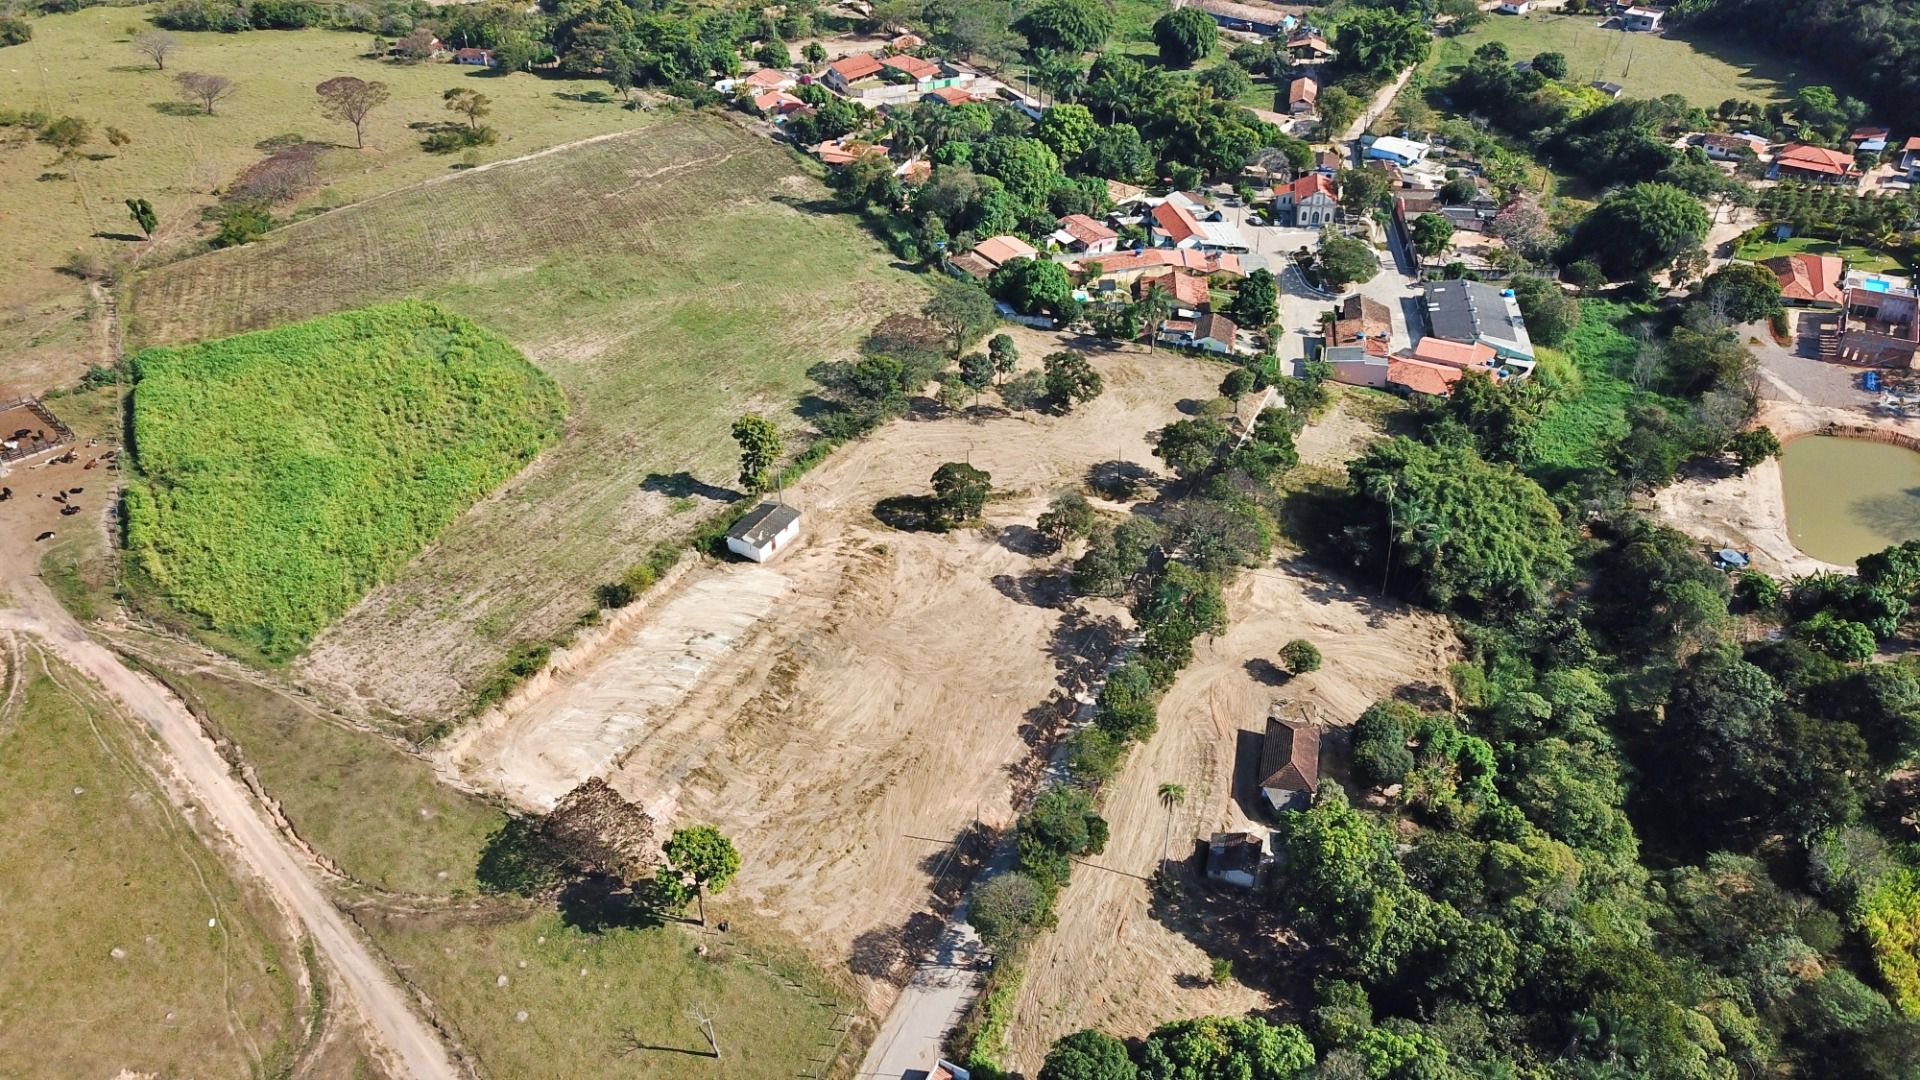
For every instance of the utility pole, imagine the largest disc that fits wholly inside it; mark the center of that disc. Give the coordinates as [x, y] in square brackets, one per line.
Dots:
[699, 1016]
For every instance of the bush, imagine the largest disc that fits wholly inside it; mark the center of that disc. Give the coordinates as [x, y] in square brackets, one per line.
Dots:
[1380, 754]
[1006, 909]
[1300, 657]
[449, 139]
[15, 30]
[1842, 639]
[241, 223]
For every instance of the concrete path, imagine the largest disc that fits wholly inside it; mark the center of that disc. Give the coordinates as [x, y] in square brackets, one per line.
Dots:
[940, 992]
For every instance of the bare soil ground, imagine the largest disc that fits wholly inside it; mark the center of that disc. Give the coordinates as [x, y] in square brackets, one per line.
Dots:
[849, 709]
[1113, 963]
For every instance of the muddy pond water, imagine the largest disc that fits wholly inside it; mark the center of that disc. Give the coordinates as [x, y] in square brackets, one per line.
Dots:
[1849, 497]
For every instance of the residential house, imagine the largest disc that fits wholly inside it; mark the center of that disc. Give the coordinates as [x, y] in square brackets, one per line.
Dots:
[947, 1070]
[1122, 268]
[1910, 158]
[1209, 333]
[1307, 203]
[1247, 18]
[1721, 146]
[770, 79]
[1643, 19]
[1798, 161]
[948, 95]
[1302, 95]
[1475, 356]
[1402, 152]
[1515, 7]
[764, 532]
[922, 73]
[1082, 234]
[1188, 291]
[989, 255]
[1122, 195]
[434, 47]
[1869, 140]
[1308, 47]
[475, 57]
[1877, 329]
[1183, 220]
[1474, 311]
[778, 105]
[914, 173]
[1327, 162]
[1235, 858]
[846, 149]
[842, 74]
[904, 42]
[1356, 365]
[1809, 280]
[1290, 764]
[1365, 322]
[1417, 378]
[1613, 90]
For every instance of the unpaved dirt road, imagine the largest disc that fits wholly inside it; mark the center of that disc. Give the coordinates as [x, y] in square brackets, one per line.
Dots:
[411, 1045]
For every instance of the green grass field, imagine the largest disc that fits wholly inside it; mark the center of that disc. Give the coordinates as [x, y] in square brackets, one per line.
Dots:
[1858, 257]
[83, 64]
[1592, 410]
[668, 281]
[95, 857]
[613, 1002]
[1706, 71]
[281, 473]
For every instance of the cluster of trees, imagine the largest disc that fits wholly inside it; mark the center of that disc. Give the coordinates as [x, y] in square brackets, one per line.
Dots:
[1872, 44]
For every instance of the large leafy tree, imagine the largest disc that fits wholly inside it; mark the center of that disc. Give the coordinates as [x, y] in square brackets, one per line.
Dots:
[963, 310]
[699, 856]
[1185, 36]
[1032, 285]
[1381, 43]
[1641, 229]
[759, 443]
[1226, 1048]
[1088, 1055]
[1070, 379]
[1074, 26]
[1744, 292]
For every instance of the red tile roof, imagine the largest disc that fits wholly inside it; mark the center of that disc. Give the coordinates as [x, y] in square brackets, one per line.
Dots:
[1808, 278]
[1186, 289]
[1174, 220]
[1308, 186]
[1422, 377]
[1290, 756]
[1814, 159]
[1000, 250]
[1453, 354]
[1913, 143]
[912, 66]
[908, 41]
[1200, 261]
[856, 67]
[1085, 229]
[770, 79]
[951, 95]
[1303, 89]
[1862, 134]
[778, 101]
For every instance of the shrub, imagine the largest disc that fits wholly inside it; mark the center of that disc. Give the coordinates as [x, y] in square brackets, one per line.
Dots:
[1300, 657]
[241, 223]
[1380, 754]
[15, 30]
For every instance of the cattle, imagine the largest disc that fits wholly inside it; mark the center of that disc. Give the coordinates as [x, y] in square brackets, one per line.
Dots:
[75, 491]
[5, 493]
[69, 511]
[48, 535]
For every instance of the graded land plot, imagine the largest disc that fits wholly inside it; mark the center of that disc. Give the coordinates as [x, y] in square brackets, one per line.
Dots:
[280, 474]
[129, 947]
[846, 730]
[668, 281]
[83, 64]
[1704, 70]
[1118, 960]
[539, 993]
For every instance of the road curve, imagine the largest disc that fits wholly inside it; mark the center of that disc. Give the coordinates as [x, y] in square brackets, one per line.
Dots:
[414, 1048]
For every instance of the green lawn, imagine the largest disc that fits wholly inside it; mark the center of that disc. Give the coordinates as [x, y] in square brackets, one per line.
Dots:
[279, 474]
[95, 858]
[83, 64]
[1590, 409]
[1706, 71]
[1857, 256]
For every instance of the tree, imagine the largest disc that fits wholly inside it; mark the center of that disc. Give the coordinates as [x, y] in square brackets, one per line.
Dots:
[1190, 447]
[814, 53]
[1088, 1055]
[156, 45]
[469, 103]
[66, 134]
[1068, 130]
[699, 855]
[1431, 234]
[1238, 384]
[1155, 306]
[1551, 65]
[1380, 755]
[1185, 36]
[960, 492]
[1257, 302]
[143, 216]
[1227, 81]
[1380, 43]
[1073, 26]
[1641, 229]
[204, 89]
[1344, 260]
[1004, 354]
[1170, 795]
[350, 100]
[1225, 1048]
[1005, 908]
[416, 44]
[1338, 109]
[1300, 657]
[1551, 314]
[759, 443]
[976, 373]
[1070, 379]
[963, 310]
[1753, 446]
[1744, 292]
[1069, 517]
[1032, 285]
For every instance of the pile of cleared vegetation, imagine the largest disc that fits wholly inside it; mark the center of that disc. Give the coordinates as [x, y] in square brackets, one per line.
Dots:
[281, 474]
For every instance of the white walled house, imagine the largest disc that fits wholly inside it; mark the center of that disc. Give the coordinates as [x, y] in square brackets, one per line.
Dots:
[764, 532]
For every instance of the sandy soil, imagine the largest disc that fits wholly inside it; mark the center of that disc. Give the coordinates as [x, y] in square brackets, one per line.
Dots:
[1112, 963]
[1749, 513]
[847, 710]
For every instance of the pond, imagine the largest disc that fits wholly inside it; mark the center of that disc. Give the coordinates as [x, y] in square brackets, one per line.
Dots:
[1849, 497]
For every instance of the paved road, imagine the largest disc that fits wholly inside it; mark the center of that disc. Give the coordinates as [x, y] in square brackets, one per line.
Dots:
[933, 1002]
[415, 1049]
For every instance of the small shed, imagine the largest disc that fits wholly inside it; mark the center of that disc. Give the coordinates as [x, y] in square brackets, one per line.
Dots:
[765, 531]
[1290, 764]
[1235, 858]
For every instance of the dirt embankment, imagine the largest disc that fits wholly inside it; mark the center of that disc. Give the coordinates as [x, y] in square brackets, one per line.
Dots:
[847, 710]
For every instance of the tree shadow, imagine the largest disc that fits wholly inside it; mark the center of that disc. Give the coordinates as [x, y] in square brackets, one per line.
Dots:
[1025, 540]
[1121, 481]
[598, 903]
[1227, 924]
[129, 237]
[906, 513]
[176, 108]
[1266, 672]
[1190, 406]
[683, 484]
[1431, 697]
[1042, 588]
[587, 97]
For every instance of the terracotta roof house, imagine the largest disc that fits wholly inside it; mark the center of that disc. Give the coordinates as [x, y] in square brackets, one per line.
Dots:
[770, 79]
[1078, 232]
[1003, 249]
[1208, 333]
[842, 151]
[1328, 162]
[1420, 377]
[1125, 266]
[1722, 146]
[1365, 322]
[476, 57]
[1122, 194]
[1433, 350]
[1302, 95]
[1798, 161]
[1235, 858]
[915, 172]
[847, 70]
[1290, 764]
[1307, 203]
[778, 103]
[1809, 280]
[1869, 140]
[970, 264]
[1185, 289]
[913, 67]
[1308, 48]
[1174, 226]
[1910, 157]
[947, 95]
[1879, 329]
[1268, 116]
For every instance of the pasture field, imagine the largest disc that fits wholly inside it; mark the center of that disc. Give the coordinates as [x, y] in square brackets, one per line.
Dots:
[1704, 70]
[281, 473]
[128, 944]
[667, 280]
[83, 64]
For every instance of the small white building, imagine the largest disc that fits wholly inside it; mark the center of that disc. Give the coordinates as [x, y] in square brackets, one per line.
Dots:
[1398, 150]
[1515, 7]
[1642, 19]
[765, 531]
[1235, 858]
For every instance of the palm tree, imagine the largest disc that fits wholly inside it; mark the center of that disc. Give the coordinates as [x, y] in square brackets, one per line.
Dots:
[1155, 306]
[1171, 795]
[1385, 487]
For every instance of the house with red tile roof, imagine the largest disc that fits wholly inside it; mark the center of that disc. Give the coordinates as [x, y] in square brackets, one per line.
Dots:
[778, 104]
[991, 254]
[1799, 161]
[1473, 356]
[1809, 280]
[844, 72]
[1420, 377]
[947, 95]
[1125, 267]
[1187, 290]
[1910, 157]
[841, 151]
[1302, 95]
[1080, 233]
[1307, 203]
[913, 67]
[903, 42]
[770, 79]
[1172, 225]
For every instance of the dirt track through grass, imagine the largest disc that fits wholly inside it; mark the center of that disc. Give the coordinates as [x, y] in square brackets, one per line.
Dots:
[668, 280]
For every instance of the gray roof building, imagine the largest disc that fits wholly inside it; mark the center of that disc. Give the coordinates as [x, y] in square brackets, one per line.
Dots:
[1474, 311]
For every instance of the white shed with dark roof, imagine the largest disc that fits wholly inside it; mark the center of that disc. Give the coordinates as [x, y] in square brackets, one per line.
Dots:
[765, 531]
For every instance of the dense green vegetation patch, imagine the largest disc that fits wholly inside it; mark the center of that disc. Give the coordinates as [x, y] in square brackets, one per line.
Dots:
[281, 474]
[1576, 428]
[1891, 919]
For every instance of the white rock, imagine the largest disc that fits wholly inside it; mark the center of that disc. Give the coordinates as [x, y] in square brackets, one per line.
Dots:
[79, 791]
[501, 981]
[520, 1017]
[117, 953]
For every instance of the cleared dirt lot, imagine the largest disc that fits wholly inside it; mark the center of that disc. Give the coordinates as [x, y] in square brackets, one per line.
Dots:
[861, 701]
[1113, 964]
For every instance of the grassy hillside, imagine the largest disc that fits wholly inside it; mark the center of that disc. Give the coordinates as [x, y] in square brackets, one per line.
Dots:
[282, 473]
